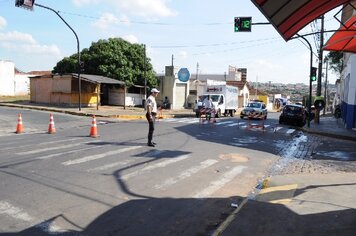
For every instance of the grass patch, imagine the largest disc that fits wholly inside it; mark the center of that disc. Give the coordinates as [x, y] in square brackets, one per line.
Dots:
[21, 98]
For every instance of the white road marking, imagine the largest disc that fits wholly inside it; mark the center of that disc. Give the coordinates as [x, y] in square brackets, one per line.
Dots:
[278, 128]
[233, 124]
[99, 156]
[223, 122]
[216, 185]
[48, 149]
[289, 131]
[111, 165]
[14, 212]
[19, 214]
[39, 144]
[63, 153]
[154, 166]
[186, 174]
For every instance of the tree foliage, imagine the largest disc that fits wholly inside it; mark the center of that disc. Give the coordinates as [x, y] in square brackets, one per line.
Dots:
[336, 62]
[114, 58]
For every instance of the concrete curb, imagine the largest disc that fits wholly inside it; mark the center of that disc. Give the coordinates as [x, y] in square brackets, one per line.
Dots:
[330, 135]
[79, 113]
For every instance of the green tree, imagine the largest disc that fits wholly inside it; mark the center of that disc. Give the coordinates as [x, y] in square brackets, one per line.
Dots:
[114, 58]
[336, 62]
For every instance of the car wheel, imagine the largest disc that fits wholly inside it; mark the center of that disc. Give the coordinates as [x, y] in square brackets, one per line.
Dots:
[232, 113]
[197, 114]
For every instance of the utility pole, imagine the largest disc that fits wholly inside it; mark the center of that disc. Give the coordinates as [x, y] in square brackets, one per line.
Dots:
[320, 67]
[326, 85]
[197, 76]
[256, 86]
[172, 60]
[144, 72]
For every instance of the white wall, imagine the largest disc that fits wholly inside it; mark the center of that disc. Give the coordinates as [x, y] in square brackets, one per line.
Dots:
[22, 84]
[7, 78]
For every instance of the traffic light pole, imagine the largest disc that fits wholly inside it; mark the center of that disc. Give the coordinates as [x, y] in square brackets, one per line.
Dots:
[310, 75]
[78, 53]
[320, 68]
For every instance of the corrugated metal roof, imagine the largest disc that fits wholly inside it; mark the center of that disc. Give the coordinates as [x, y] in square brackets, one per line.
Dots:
[290, 16]
[98, 79]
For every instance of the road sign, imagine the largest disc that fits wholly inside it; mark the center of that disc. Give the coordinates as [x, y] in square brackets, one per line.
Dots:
[183, 75]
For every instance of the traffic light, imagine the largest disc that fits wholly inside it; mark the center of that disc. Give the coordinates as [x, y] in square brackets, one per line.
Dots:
[313, 74]
[242, 24]
[25, 3]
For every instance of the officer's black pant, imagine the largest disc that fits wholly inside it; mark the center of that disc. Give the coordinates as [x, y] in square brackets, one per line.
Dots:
[151, 126]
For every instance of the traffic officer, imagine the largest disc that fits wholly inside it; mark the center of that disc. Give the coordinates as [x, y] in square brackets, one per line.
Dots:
[151, 107]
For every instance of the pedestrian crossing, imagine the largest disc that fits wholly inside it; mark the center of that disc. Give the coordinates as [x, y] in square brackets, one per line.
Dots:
[240, 124]
[137, 161]
[80, 166]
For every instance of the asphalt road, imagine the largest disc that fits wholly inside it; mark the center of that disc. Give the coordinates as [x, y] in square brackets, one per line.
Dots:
[68, 183]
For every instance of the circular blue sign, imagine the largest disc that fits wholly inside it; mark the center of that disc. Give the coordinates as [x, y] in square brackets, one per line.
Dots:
[183, 75]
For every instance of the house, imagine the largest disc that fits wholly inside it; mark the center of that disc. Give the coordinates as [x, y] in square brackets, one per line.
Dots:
[64, 90]
[346, 86]
[13, 82]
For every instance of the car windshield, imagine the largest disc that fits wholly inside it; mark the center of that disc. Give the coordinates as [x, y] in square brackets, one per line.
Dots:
[214, 98]
[293, 109]
[254, 105]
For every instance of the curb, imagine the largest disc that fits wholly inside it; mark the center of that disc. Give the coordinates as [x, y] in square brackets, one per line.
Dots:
[78, 113]
[330, 135]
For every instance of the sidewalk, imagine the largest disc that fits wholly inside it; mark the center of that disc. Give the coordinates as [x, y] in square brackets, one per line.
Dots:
[331, 127]
[300, 204]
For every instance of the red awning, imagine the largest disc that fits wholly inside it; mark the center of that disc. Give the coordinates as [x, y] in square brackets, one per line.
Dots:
[344, 39]
[290, 16]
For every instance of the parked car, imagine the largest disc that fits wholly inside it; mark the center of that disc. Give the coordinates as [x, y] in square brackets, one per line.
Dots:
[293, 114]
[254, 110]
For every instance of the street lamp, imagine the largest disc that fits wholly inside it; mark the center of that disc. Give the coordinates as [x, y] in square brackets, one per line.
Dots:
[29, 5]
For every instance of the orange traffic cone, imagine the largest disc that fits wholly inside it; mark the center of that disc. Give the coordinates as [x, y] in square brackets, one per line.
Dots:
[93, 129]
[51, 128]
[19, 127]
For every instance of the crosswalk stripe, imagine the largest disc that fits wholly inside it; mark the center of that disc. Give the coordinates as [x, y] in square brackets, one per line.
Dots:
[63, 153]
[99, 156]
[49, 149]
[278, 128]
[223, 122]
[39, 144]
[111, 165]
[289, 131]
[216, 185]
[154, 166]
[14, 212]
[19, 214]
[186, 174]
[233, 124]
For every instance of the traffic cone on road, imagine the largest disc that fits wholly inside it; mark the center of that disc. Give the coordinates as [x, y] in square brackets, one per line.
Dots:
[19, 127]
[51, 128]
[93, 129]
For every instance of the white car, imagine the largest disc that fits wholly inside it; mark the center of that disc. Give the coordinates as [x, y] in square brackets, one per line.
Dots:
[254, 110]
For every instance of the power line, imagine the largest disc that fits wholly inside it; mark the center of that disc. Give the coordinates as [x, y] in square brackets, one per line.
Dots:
[214, 44]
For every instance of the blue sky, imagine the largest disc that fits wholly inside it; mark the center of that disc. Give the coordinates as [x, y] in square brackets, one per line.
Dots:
[194, 31]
